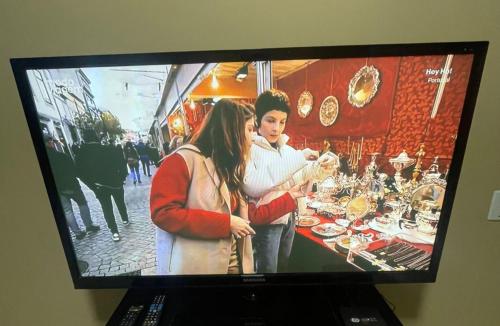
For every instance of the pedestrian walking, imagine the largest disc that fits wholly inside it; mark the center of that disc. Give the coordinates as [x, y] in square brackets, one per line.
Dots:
[143, 152]
[132, 158]
[68, 187]
[103, 169]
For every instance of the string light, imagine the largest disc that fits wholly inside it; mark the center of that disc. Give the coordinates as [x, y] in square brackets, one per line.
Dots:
[215, 82]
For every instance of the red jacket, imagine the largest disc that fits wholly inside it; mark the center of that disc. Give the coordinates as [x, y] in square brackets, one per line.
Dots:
[168, 212]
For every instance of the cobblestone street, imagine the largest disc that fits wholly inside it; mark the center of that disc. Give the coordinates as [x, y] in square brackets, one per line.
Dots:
[135, 252]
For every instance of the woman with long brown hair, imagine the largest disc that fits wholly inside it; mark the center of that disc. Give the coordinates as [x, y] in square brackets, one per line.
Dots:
[197, 201]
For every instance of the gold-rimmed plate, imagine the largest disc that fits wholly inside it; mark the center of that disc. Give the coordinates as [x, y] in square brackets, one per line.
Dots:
[328, 229]
[328, 111]
[308, 221]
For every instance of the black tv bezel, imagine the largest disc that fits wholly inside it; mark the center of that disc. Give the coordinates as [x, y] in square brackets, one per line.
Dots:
[477, 48]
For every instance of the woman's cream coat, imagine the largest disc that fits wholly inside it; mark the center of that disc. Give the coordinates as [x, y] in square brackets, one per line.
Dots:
[177, 254]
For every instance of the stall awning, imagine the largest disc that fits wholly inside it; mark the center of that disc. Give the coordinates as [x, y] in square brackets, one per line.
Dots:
[181, 80]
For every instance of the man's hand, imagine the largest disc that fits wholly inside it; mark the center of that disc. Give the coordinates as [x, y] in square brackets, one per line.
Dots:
[328, 160]
[298, 191]
[326, 165]
[309, 154]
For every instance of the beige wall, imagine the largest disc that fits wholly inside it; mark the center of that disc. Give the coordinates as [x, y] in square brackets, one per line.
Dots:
[35, 287]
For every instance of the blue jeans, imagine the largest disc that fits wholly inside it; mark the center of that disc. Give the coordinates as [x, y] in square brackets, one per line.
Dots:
[134, 170]
[272, 245]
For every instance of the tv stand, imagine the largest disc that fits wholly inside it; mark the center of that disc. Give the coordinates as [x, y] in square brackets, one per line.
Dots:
[262, 306]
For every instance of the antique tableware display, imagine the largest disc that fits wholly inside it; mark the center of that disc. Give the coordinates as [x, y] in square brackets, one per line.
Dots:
[357, 208]
[427, 201]
[367, 203]
[399, 163]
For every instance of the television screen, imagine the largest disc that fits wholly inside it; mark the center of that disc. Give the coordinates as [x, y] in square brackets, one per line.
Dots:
[298, 165]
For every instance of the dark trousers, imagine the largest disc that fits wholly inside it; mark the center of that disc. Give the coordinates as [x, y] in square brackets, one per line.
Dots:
[145, 165]
[78, 196]
[104, 195]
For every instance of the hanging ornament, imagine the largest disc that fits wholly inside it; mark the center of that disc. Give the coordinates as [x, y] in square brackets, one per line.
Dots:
[363, 86]
[329, 109]
[305, 102]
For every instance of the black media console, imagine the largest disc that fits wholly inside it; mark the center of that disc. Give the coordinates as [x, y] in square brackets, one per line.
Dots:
[267, 306]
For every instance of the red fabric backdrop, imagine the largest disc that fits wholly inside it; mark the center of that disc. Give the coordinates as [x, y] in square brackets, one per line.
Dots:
[397, 118]
[332, 77]
[195, 116]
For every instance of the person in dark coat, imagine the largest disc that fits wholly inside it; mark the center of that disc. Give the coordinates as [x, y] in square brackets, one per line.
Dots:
[166, 149]
[132, 158]
[143, 151]
[154, 156]
[68, 187]
[103, 169]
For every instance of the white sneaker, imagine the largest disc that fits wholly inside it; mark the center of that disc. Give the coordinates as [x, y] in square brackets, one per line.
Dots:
[125, 222]
[116, 237]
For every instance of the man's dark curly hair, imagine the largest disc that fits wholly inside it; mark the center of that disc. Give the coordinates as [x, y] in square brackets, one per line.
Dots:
[269, 100]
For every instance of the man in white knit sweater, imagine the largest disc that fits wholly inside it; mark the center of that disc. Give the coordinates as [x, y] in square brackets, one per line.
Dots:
[274, 167]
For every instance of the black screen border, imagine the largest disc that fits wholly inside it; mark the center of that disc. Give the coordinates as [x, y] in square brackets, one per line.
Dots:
[477, 48]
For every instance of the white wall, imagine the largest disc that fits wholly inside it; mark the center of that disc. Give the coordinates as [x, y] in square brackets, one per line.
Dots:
[35, 284]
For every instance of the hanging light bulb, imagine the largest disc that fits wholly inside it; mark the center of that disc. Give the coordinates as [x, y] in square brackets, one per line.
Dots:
[192, 106]
[215, 82]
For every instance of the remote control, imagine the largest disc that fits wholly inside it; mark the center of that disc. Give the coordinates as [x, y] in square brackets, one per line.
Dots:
[131, 315]
[154, 313]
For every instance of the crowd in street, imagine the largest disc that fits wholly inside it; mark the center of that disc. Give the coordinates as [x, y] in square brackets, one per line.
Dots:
[103, 167]
[222, 201]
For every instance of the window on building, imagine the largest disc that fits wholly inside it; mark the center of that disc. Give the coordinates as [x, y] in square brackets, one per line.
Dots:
[41, 85]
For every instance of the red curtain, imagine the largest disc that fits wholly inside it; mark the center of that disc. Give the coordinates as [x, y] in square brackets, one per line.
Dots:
[397, 118]
[332, 77]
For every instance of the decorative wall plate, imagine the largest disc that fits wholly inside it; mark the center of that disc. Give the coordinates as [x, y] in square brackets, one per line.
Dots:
[329, 111]
[363, 86]
[305, 104]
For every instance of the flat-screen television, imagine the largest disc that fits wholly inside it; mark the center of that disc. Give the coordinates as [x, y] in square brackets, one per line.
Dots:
[306, 165]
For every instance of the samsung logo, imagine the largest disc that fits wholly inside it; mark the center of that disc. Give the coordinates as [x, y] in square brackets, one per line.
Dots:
[258, 278]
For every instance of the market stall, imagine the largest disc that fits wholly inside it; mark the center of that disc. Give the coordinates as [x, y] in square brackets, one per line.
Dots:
[394, 128]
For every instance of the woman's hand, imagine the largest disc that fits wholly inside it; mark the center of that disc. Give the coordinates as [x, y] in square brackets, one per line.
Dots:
[240, 228]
